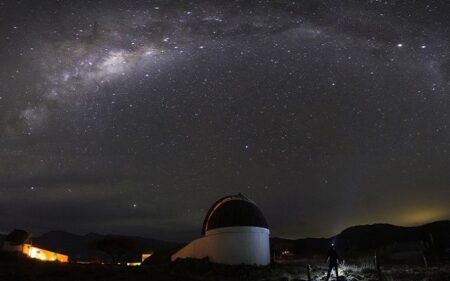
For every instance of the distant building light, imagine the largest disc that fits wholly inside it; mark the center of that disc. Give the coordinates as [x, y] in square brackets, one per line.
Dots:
[146, 256]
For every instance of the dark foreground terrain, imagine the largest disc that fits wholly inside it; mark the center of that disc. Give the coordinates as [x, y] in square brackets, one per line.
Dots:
[20, 269]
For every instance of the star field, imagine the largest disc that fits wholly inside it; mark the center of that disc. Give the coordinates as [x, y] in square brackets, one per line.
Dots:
[133, 117]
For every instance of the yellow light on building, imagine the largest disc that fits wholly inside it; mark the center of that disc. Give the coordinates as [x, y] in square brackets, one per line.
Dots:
[146, 256]
[44, 255]
[133, 263]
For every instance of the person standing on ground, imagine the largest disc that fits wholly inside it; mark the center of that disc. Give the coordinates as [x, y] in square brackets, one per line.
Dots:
[333, 260]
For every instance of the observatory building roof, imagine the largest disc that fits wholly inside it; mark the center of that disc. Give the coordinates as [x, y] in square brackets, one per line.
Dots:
[233, 210]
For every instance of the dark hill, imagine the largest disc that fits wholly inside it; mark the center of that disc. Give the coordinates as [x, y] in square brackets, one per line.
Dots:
[78, 246]
[365, 239]
[2, 238]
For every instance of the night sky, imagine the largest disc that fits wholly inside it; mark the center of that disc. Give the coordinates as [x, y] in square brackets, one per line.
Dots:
[133, 117]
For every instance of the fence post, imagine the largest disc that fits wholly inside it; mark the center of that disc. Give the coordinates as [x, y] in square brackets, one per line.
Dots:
[377, 265]
[308, 271]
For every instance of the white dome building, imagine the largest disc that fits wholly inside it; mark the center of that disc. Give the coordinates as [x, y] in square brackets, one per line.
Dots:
[234, 232]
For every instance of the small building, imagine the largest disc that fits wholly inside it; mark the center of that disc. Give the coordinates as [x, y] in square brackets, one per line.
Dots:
[234, 232]
[19, 241]
[42, 254]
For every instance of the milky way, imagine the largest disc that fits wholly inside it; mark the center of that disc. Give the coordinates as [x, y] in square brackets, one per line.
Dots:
[133, 117]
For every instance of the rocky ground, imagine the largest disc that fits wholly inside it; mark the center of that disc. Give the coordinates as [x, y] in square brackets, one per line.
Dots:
[358, 273]
[32, 270]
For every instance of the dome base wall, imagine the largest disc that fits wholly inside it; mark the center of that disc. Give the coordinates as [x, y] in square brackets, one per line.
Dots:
[230, 245]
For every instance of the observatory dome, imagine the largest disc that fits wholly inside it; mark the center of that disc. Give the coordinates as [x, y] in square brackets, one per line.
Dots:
[234, 232]
[233, 210]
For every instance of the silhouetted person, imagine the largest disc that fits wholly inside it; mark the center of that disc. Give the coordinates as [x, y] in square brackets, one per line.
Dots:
[333, 259]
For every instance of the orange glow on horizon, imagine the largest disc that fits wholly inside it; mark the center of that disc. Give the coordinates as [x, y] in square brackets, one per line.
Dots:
[421, 216]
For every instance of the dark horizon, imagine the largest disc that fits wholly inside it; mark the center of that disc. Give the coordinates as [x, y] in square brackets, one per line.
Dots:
[135, 116]
[37, 234]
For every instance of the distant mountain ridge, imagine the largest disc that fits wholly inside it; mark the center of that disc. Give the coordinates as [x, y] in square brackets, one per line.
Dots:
[367, 238]
[355, 239]
[78, 246]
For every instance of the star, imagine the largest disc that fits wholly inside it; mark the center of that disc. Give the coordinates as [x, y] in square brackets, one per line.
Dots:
[106, 103]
